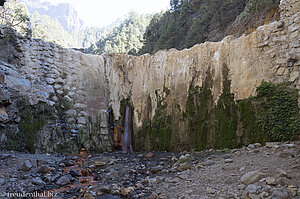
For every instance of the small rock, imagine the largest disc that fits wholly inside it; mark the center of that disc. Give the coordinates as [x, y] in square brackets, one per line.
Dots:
[284, 181]
[54, 178]
[88, 196]
[210, 191]
[152, 196]
[115, 192]
[38, 181]
[149, 155]
[81, 120]
[174, 159]
[255, 151]
[280, 24]
[252, 188]
[172, 180]
[273, 150]
[209, 163]
[5, 156]
[105, 189]
[271, 181]
[266, 188]
[127, 191]
[262, 180]
[184, 166]
[76, 158]
[251, 146]
[233, 151]
[75, 173]
[264, 194]
[71, 113]
[185, 158]
[47, 178]
[253, 196]
[282, 173]
[293, 193]
[156, 169]
[80, 106]
[286, 154]
[45, 169]
[229, 160]
[27, 165]
[50, 80]
[251, 177]
[257, 145]
[69, 163]
[289, 145]
[93, 193]
[271, 144]
[241, 187]
[34, 163]
[2, 181]
[13, 179]
[280, 194]
[227, 156]
[99, 163]
[64, 180]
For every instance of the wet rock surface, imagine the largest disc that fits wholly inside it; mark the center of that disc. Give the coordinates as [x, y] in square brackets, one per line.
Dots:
[251, 172]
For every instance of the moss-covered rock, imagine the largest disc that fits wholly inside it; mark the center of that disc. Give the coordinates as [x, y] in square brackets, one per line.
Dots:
[272, 115]
[33, 119]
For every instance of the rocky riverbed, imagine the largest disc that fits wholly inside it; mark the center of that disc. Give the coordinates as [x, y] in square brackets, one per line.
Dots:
[254, 171]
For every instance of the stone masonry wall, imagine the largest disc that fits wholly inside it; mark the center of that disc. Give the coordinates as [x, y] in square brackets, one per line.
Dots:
[70, 83]
[289, 8]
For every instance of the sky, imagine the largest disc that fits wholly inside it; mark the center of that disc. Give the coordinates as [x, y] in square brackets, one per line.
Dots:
[104, 12]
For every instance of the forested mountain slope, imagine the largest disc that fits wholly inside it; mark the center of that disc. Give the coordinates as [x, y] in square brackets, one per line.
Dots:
[191, 22]
[127, 37]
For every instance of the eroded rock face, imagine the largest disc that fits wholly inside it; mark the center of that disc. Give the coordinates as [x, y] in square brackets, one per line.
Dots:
[174, 94]
[269, 54]
[171, 88]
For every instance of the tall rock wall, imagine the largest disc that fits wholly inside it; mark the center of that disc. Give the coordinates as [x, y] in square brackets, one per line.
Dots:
[55, 99]
[58, 97]
[162, 87]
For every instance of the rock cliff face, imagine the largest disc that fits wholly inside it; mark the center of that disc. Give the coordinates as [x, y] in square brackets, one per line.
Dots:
[189, 99]
[165, 89]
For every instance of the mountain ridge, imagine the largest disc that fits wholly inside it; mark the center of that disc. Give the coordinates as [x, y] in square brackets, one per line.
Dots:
[67, 15]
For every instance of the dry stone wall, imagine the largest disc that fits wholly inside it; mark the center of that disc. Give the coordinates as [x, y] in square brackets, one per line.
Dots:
[70, 84]
[289, 8]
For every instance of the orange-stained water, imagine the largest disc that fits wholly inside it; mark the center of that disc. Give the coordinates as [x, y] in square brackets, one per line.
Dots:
[85, 180]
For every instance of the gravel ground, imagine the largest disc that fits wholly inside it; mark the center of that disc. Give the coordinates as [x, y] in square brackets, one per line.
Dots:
[254, 172]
